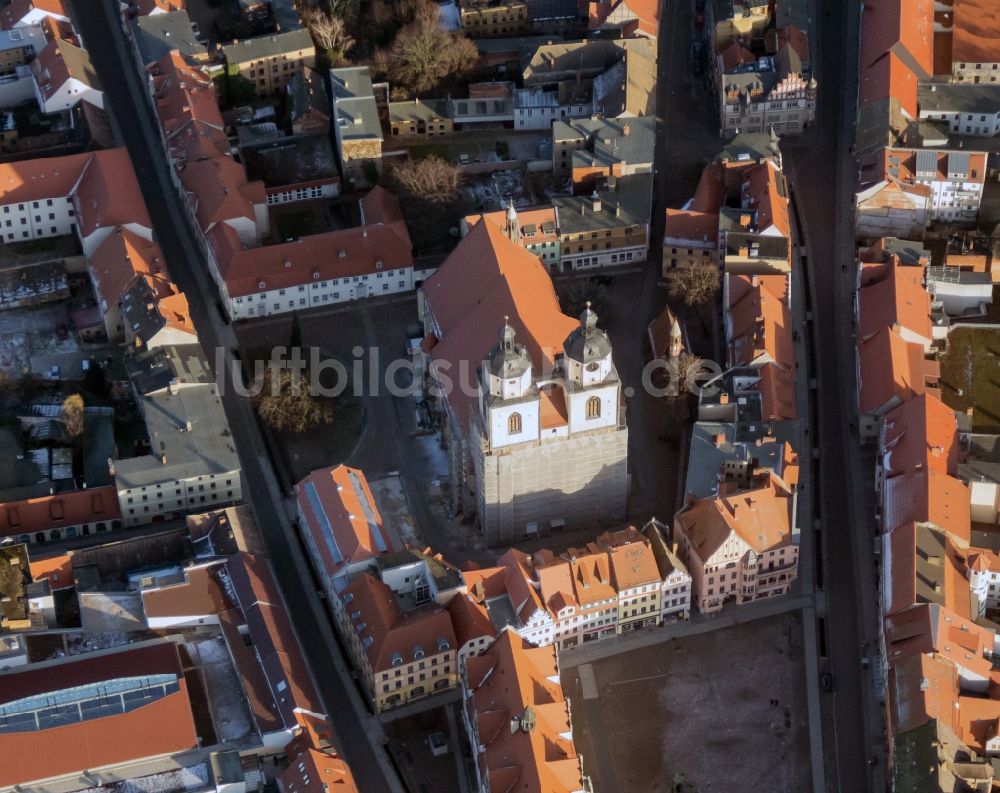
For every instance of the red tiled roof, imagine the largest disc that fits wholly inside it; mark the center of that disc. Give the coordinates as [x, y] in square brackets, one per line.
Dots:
[187, 109]
[315, 257]
[486, 278]
[108, 193]
[123, 257]
[391, 630]
[975, 32]
[162, 727]
[904, 27]
[313, 763]
[928, 496]
[686, 224]
[920, 433]
[890, 367]
[57, 570]
[42, 178]
[763, 184]
[94, 505]
[221, 192]
[761, 326]
[504, 682]
[760, 516]
[343, 511]
[470, 619]
[898, 298]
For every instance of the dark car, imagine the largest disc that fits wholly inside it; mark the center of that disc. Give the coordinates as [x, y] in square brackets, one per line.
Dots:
[62, 331]
[699, 6]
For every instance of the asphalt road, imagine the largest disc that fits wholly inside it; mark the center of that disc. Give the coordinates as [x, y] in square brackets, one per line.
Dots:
[822, 172]
[124, 94]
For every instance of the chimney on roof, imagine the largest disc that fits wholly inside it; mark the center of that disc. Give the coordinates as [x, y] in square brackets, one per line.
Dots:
[626, 130]
[745, 220]
[720, 439]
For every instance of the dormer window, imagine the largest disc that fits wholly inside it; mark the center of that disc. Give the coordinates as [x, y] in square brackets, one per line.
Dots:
[287, 263]
[342, 253]
[315, 275]
[360, 627]
[261, 285]
[442, 645]
[378, 264]
[348, 597]
[396, 660]
[418, 651]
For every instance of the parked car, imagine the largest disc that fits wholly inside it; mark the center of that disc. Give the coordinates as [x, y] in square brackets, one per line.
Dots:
[62, 331]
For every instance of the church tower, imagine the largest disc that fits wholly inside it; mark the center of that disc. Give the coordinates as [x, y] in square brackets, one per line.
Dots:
[592, 380]
[508, 397]
[512, 228]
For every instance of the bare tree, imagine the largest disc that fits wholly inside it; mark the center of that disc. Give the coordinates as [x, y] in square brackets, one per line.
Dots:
[696, 285]
[423, 54]
[431, 179]
[328, 31]
[682, 373]
[71, 415]
[286, 404]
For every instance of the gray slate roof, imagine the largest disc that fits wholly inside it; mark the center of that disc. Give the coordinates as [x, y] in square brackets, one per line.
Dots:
[158, 34]
[959, 98]
[267, 46]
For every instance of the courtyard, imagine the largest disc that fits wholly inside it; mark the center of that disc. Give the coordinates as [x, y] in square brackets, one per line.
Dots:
[635, 724]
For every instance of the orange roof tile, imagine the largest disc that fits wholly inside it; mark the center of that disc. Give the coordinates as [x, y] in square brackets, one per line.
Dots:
[890, 368]
[162, 727]
[310, 258]
[108, 193]
[486, 278]
[92, 506]
[48, 177]
[552, 407]
[391, 630]
[123, 257]
[978, 721]
[313, 764]
[350, 537]
[890, 79]
[764, 185]
[920, 433]
[220, 189]
[470, 619]
[902, 27]
[188, 110]
[57, 570]
[975, 32]
[514, 680]
[931, 496]
[761, 326]
[686, 224]
[897, 299]
[633, 564]
[760, 516]
[525, 217]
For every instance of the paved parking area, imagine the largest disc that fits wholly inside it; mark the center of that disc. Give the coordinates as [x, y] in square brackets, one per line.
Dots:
[720, 711]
